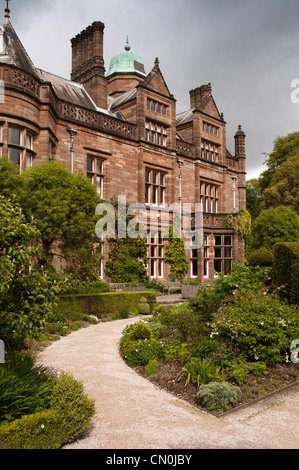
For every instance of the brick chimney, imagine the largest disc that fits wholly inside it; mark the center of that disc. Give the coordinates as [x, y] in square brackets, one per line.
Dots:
[198, 94]
[88, 62]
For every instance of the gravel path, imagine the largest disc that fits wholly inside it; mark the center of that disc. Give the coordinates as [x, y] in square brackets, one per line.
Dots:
[133, 413]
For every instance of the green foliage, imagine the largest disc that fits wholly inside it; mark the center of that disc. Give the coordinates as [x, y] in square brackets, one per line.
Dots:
[284, 148]
[242, 278]
[140, 352]
[143, 307]
[238, 372]
[67, 417]
[274, 225]
[175, 255]
[261, 257]
[219, 397]
[185, 325]
[240, 221]
[92, 288]
[127, 260]
[259, 325]
[286, 269]
[63, 207]
[10, 181]
[69, 399]
[41, 430]
[200, 371]
[26, 295]
[254, 197]
[100, 304]
[152, 367]
[24, 389]
[284, 186]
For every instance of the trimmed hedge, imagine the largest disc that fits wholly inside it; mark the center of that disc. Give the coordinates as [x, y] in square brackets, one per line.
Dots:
[286, 269]
[103, 304]
[68, 418]
[35, 431]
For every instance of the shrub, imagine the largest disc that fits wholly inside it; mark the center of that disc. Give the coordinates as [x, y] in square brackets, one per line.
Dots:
[77, 408]
[140, 352]
[219, 397]
[260, 326]
[143, 307]
[42, 430]
[286, 269]
[238, 372]
[261, 257]
[200, 371]
[152, 367]
[242, 278]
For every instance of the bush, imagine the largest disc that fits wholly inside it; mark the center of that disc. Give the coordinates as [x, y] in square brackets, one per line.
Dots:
[261, 257]
[140, 352]
[77, 408]
[143, 307]
[42, 430]
[152, 367]
[242, 278]
[261, 326]
[286, 269]
[219, 397]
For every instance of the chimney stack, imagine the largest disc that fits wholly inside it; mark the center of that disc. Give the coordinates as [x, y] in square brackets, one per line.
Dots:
[198, 94]
[88, 62]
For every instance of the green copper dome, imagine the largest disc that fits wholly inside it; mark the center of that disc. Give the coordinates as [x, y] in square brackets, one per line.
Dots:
[127, 62]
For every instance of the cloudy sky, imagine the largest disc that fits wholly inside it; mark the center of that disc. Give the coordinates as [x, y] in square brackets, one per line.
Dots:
[247, 49]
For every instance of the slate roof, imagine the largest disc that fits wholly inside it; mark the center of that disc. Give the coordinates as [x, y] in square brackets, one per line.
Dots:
[67, 90]
[15, 54]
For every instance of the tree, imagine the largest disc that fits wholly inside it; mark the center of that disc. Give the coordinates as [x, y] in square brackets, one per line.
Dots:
[26, 295]
[62, 206]
[284, 148]
[254, 197]
[273, 225]
[284, 185]
[10, 181]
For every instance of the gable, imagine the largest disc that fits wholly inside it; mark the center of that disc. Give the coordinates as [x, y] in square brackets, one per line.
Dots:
[208, 106]
[155, 81]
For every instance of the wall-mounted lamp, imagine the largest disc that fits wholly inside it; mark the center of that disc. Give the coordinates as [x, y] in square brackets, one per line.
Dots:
[72, 133]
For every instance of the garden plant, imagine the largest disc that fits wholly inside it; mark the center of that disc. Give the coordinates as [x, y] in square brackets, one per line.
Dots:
[228, 345]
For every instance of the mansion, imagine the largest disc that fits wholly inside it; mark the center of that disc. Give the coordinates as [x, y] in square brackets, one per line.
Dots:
[120, 127]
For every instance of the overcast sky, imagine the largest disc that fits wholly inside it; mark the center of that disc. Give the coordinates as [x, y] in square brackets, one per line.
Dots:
[247, 49]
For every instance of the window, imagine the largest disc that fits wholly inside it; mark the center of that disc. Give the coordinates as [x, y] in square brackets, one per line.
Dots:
[209, 151]
[155, 187]
[210, 128]
[194, 260]
[209, 198]
[156, 107]
[20, 147]
[95, 173]
[206, 255]
[156, 133]
[222, 254]
[155, 255]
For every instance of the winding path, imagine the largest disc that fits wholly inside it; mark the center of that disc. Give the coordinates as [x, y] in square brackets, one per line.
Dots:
[133, 413]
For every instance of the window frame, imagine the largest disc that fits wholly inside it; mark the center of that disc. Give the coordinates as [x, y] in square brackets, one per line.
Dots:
[94, 173]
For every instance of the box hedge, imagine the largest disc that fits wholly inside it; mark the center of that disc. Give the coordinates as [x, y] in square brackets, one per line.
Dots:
[286, 269]
[103, 304]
